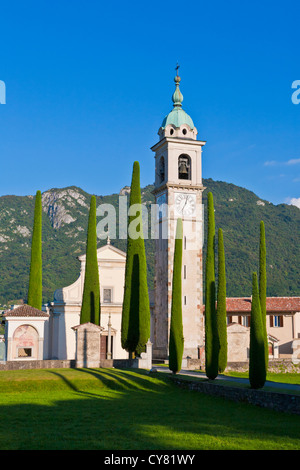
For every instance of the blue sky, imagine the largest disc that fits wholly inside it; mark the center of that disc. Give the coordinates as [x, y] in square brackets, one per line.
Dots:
[88, 84]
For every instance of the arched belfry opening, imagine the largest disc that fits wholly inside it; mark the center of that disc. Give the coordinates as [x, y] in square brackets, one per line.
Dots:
[184, 167]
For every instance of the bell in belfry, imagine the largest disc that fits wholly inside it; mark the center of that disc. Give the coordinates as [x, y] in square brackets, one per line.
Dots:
[183, 168]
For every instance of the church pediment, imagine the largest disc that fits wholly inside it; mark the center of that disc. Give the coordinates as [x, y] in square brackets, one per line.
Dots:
[107, 255]
[107, 252]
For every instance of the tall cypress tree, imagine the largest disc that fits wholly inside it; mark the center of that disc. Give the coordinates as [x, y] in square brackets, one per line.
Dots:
[90, 308]
[34, 297]
[176, 343]
[211, 338]
[263, 285]
[221, 304]
[135, 328]
[257, 365]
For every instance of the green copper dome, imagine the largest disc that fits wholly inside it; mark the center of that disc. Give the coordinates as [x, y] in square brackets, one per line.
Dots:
[177, 116]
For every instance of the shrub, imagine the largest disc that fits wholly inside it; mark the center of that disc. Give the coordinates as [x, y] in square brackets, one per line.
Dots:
[176, 343]
[135, 329]
[34, 298]
[257, 365]
[90, 309]
[221, 304]
[211, 339]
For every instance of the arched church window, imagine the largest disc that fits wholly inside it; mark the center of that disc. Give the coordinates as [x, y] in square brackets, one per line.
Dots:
[161, 170]
[184, 167]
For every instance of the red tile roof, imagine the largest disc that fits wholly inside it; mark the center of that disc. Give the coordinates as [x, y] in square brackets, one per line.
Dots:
[274, 304]
[25, 311]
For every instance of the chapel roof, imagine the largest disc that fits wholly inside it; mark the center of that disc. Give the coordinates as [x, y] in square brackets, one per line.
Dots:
[25, 311]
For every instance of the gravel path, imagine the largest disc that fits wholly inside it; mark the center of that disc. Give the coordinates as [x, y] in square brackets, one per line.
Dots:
[192, 373]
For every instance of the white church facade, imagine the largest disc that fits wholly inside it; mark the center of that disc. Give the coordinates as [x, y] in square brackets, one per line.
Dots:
[65, 309]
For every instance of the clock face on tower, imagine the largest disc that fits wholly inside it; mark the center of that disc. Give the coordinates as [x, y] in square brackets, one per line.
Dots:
[185, 204]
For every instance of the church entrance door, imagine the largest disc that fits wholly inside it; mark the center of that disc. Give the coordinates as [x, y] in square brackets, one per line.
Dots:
[103, 346]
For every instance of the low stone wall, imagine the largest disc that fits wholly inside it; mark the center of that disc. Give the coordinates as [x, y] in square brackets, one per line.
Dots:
[275, 401]
[49, 364]
[238, 366]
[275, 365]
[283, 365]
[68, 364]
[122, 363]
[43, 364]
[193, 364]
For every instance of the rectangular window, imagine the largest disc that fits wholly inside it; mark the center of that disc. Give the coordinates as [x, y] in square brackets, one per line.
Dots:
[184, 242]
[24, 352]
[184, 300]
[246, 320]
[107, 297]
[160, 236]
[276, 321]
[184, 272]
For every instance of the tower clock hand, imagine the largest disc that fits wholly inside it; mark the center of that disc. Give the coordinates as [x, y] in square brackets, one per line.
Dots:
[186, 199]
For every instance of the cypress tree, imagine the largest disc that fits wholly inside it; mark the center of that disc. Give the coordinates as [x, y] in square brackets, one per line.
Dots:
[257, 366]
[34, 298]
[263, 285]
[176, 329]
[221, 304]
[135, 328]
[90, 308]
[211, 338]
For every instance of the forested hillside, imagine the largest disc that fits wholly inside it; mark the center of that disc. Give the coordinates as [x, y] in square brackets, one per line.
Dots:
[237, 211]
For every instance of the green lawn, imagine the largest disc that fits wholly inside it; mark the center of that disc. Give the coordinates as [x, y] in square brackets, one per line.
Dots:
[284, 377]
[127, 410]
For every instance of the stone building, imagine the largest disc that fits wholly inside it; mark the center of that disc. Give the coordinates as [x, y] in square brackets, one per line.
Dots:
[26, 333]
[283, 326]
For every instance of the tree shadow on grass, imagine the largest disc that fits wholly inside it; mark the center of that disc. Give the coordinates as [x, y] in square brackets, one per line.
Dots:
[112, 380]
[119, 379]
[169, 419]
[128, 379]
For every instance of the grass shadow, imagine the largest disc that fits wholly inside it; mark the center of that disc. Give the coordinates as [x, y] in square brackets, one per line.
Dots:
[136, 418]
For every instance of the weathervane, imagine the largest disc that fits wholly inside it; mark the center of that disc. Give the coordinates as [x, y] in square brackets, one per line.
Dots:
[176, 68]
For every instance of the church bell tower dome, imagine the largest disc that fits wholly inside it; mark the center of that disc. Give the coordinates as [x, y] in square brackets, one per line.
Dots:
[177, 123]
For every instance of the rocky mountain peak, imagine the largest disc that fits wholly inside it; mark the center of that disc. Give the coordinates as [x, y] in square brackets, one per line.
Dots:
[59, 203]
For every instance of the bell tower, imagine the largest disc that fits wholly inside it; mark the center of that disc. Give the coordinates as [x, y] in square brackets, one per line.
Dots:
[178, 192]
